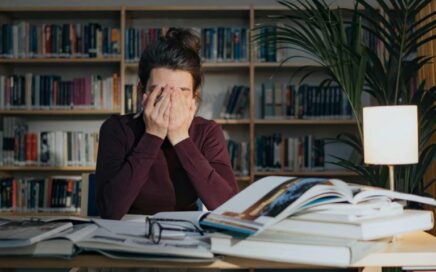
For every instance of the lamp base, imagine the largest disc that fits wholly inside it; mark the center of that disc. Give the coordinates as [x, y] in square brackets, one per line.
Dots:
[391, 178]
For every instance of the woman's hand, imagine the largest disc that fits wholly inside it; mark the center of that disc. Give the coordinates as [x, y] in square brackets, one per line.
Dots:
[182, 112]
[157, 111]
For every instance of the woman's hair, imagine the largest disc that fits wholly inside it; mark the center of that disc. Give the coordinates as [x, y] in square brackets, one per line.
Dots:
[177, 50]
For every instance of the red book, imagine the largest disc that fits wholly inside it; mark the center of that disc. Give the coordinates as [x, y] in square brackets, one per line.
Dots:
[49, 192]
[47, 39]
[28, 146]
[70, 186]
[14, 194]
[73, 38]
[88, 91]
[34, 147]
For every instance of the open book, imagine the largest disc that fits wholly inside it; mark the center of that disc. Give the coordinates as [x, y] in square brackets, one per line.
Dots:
[272, 199]
[113, 238]
[19, 233]
[60, 244]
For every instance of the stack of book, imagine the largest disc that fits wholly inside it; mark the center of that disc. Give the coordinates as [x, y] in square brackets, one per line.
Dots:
[25, 40]
[312, 221]
[52, 92]
[45, 148]
[278, 153]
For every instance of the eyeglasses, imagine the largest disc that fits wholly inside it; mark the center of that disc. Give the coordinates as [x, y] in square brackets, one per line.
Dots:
[157, 225]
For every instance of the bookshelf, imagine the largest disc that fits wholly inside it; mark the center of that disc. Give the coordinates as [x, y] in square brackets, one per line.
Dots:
[219, 76]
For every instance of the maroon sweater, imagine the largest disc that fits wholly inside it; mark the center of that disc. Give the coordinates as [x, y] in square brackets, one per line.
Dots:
[140, 173]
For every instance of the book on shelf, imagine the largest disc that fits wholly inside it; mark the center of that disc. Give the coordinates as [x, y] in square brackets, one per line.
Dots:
[239, 157]
[46, 148]
[266, 49]
[75, 40]
[236, 102]
[278, 153]
[270, 200]
[282, 101]
[138, 38]
[218, 44]
[271, 50]
[41, 194]
[29, 91]
[132, 100]
[224, 44]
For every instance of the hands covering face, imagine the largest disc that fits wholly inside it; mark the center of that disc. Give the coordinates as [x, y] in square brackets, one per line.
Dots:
[170, 115]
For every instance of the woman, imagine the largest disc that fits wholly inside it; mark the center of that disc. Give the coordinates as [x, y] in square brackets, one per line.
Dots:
[164, 158]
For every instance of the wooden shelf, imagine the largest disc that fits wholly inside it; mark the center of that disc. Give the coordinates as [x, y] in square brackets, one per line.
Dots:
[291, 64]
[60, 8]
[243, 178]
[48, 168]
[305, 122]
[37, 214]
[61, 60]
[327, 173]
[232, 121]
[206, 65]
[58, 112]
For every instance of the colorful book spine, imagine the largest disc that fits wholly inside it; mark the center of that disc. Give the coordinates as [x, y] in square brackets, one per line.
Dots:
[281, 101]
[46, 148]
[26, 40]
[278, 153]
[52, 92]
[132, 100]
[239, 157]
[218, 44]
[236, 102]
[49, 194]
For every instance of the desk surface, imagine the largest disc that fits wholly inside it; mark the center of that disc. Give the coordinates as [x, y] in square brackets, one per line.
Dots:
[415, 249]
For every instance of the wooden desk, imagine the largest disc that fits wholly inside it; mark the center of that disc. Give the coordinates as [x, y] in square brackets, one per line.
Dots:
[411, 250]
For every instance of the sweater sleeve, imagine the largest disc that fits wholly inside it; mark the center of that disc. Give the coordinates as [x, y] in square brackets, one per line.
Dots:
[209, 170]
[120, 176]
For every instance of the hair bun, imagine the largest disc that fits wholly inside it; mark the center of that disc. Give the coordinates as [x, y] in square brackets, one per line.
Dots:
[184, 37]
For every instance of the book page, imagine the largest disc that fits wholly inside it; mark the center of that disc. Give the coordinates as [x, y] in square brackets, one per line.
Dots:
[76, 233]
[272, 199]
[365, 193]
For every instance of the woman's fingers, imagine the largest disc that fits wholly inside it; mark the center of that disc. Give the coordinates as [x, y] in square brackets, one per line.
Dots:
[152, 97]
[164, 101]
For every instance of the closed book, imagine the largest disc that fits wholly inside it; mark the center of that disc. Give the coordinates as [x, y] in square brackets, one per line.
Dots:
[49, 248]
[369, 229]
[295, 248]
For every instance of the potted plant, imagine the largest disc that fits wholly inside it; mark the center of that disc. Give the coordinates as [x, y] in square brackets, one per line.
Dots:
[388, 73]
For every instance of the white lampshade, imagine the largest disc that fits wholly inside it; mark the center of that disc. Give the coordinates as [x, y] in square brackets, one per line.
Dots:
[390, 135]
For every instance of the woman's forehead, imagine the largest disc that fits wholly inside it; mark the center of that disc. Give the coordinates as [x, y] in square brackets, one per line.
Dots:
[179, 78]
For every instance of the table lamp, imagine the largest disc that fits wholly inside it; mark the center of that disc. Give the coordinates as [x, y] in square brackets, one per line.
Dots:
[390, 136]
